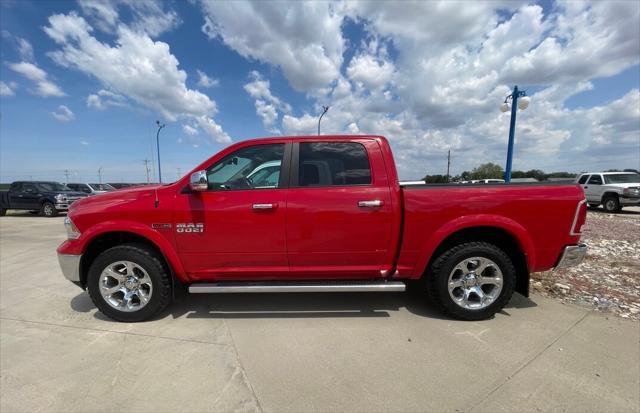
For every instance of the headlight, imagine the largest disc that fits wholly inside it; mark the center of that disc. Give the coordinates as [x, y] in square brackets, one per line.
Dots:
[72, 231]
[61, 198]
[632, 192]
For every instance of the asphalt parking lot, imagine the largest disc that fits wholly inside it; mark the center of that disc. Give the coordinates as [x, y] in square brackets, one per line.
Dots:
[296, 353]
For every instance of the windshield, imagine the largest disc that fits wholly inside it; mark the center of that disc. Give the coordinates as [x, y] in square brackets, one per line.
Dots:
[622, 178]
[102, 187]
[52, 186]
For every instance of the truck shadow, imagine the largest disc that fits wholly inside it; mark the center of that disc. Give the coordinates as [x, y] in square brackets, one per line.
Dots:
[303, 305]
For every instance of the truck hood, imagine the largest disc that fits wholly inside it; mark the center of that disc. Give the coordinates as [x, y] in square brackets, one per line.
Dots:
[114, 198]
[71, 194]
[625, 185]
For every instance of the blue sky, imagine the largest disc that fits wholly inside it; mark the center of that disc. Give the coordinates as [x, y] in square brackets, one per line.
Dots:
[84, 82]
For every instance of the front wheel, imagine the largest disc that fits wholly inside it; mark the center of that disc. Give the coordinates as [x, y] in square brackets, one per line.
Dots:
[48, 210]
[129, 283]
[471, 281]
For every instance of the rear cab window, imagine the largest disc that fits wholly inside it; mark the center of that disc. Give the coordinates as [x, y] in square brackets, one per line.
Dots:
[333, 164]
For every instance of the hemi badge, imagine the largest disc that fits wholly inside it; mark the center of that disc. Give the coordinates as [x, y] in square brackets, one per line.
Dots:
[161, 226]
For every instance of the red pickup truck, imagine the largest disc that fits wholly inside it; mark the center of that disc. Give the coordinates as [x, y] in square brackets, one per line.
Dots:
[317, 213]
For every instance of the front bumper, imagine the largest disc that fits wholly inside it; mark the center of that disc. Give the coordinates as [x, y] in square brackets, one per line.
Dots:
[62, 207]
[629, 201]
[572, 256]
[70, 266]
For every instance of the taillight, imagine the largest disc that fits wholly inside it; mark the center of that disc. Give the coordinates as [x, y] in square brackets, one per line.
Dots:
[580, 218]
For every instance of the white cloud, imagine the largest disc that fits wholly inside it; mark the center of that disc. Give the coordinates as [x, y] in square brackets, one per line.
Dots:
[25, 49]
[267, 105]
[137, 67]
[7, 89]
[304, 39]
[206, 81]
[190, 130]
[104, 99]
[44, 86]
[148, 16]
[63, 114]
[455, 62]
[84, 143]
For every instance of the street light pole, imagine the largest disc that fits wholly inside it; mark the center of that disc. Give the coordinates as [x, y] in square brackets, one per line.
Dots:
[158, 146]
[524, 102]
[324, 110]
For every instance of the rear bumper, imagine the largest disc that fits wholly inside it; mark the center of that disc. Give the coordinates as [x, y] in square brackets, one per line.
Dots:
[572, 256]
[70, 266]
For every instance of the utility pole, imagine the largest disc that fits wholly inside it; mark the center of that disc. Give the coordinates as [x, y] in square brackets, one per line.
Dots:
[146, 168]
[100, 175]
[158, 146]
[66, 175]
[448, 164]
[324, 110]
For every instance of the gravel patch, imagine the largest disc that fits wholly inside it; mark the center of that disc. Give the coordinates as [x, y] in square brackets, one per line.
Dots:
[608, 280]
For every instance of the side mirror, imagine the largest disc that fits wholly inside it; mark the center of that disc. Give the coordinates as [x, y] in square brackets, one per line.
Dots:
[198, 181]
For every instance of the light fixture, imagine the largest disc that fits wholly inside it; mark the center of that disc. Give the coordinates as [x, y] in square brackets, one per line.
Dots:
[523, 102]
[505, 107]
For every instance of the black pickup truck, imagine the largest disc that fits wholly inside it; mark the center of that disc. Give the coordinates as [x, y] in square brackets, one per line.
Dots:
[48, 198]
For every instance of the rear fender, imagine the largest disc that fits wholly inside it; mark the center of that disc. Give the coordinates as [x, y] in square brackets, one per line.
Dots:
[525, 244]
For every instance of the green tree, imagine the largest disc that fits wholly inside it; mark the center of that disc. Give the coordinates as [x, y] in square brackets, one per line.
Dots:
[487, 171]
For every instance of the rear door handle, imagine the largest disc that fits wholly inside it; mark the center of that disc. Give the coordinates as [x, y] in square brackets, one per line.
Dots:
[264, 206]
[370, 204]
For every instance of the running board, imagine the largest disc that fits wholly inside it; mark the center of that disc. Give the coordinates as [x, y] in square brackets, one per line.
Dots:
[297, 287]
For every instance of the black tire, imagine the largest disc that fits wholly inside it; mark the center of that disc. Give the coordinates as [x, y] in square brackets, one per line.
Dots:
[48, 210]
[3, 212]
[611, 203]
[150, 262]
[436, 279]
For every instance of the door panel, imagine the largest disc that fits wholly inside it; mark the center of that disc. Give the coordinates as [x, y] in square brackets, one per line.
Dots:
[237, 241]
[339, 225]
[594, 188]
[236, 229]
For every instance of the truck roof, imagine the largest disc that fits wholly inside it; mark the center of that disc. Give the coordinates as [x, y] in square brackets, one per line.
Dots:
[608, 173]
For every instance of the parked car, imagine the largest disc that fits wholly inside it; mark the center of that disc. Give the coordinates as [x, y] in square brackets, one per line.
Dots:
[91, 189]
[48, 198]
[484, 181]
[120, 185]
[612, 190]
[336, 219]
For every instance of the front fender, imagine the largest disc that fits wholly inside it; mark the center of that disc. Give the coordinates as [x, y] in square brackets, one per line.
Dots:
[79, 246]
[484, 220]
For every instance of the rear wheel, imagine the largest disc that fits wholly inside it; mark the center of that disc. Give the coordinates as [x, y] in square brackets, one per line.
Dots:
[48, 210]
[611, 204]
[3, 212]
[471, 281]
[129, 283]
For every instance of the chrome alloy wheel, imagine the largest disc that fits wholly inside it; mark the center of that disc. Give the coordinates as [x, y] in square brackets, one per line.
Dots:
[475, 283]
[125, 286]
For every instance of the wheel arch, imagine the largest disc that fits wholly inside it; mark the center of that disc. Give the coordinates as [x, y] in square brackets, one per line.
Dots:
[107, 239]
[509, 236]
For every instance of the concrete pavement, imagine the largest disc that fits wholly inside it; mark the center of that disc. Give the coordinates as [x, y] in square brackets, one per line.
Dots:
[295, 352]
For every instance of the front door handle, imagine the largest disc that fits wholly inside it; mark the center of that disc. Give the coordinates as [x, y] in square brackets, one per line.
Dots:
[262, 207]
[370, 204]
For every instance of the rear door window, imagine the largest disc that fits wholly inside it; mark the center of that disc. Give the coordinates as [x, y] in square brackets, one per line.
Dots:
[583, 179]
[333, 163]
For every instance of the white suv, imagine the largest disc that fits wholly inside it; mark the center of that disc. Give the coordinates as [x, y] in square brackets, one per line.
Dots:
[611, 189]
